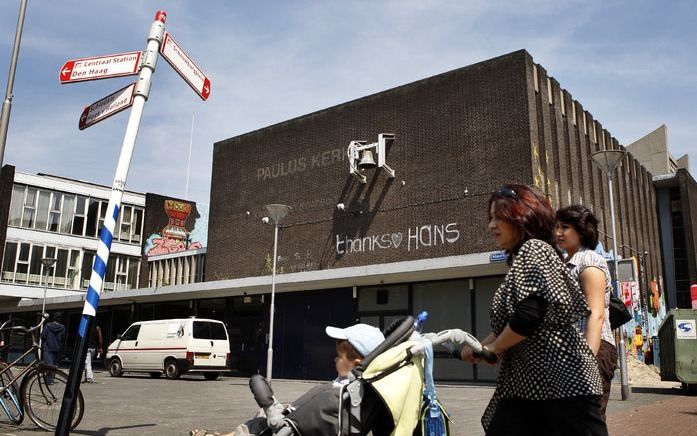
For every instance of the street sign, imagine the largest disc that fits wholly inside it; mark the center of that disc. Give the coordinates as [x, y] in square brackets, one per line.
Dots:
[186, 67]
[108, 106]
[100, 67]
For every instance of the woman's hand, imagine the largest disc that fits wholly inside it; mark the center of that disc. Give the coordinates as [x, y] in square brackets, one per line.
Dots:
[467, 355]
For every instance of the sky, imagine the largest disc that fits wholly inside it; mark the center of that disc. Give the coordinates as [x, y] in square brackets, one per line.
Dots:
[632, 64]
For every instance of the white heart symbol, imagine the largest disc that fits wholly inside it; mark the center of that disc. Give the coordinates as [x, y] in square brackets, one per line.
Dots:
[396, 239]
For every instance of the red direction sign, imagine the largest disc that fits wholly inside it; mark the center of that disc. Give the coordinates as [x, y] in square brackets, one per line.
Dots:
[108, 106]
[100, 67]
[186, 67]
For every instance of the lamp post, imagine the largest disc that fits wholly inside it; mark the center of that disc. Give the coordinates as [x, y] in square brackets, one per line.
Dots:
[7, 103]
[607, 160]
[276, 212]
[48, 263]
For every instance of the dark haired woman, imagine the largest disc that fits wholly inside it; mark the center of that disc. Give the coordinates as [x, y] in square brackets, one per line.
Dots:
[548, 382]
[577, 234]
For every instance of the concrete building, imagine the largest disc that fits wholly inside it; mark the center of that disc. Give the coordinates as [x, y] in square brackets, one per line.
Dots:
[676, 192]
[45, 216]
[392, 246]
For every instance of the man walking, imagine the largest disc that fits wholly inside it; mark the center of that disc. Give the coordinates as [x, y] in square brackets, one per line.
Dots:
[95, 344]
[52, 338]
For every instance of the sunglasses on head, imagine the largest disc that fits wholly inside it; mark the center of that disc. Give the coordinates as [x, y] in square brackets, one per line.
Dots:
[507, 192]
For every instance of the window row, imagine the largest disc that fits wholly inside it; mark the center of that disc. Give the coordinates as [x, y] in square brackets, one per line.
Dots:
[72, 269]
[42, 209]
[177, 271]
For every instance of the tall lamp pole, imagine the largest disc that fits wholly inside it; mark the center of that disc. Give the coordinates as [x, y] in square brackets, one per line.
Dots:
[7, 103]
[607, 160]
[48, 263]
[276, 212]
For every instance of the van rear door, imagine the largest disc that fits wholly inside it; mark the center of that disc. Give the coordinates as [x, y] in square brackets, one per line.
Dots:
[209, 343]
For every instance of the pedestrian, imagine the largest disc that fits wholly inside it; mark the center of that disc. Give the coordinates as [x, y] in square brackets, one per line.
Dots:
[548, 381]
[577, 234]
[94, 346]
[52, 338]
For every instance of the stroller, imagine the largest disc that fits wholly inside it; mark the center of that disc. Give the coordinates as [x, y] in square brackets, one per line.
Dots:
[384, 394]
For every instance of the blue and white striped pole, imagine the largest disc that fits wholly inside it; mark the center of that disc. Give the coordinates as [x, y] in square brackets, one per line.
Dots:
[100, 262]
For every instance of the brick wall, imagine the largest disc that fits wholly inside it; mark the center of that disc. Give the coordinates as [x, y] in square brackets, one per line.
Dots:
[462, 131]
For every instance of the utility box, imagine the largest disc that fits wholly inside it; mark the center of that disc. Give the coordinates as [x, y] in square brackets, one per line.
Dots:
[678, 341]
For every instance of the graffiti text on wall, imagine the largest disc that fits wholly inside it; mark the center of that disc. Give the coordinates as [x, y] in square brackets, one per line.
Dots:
[416, 238]
[300, 164]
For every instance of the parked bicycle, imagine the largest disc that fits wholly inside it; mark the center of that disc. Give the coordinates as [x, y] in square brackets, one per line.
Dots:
[40, 392]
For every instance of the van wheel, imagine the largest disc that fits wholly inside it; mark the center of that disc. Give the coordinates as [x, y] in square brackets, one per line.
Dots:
[155, 374]
[171, 370]
[211, 375]
[115, 368]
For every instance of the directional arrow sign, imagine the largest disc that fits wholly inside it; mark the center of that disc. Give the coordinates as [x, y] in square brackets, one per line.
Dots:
[186, 67]
[100, 67]
[108, 106]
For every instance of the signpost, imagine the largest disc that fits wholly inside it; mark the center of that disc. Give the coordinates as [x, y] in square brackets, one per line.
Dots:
[182, 63]
[134, 95]
[108, 106]
[100, 67]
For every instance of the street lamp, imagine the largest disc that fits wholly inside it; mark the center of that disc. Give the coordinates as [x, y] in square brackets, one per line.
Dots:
[275, 212]
[48, 263]
[607, 160]
[7, 103]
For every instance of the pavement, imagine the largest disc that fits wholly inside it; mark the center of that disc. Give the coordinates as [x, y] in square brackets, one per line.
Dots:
[139, 405]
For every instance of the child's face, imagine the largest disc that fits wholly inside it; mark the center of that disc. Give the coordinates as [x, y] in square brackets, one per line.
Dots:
[344, 364]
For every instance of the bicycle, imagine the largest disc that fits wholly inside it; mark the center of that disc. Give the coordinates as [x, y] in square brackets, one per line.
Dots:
[40, 392]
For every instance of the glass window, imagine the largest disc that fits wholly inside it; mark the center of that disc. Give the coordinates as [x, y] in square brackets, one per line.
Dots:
[74, 270]
[79, 217]
[22, 263]
[42, 210]
[29, 208]
[92, 213]
[8, 263]
[16, 205]
[218, 331]
[54, 215]
[137, 225]
[68, 212]
[126, 217]
[133, 271]
[37, 253]
[87, 263]
[61, 267]
[131, 334]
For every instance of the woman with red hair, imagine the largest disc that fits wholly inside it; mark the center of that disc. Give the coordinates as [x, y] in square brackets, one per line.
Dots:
[548, 382]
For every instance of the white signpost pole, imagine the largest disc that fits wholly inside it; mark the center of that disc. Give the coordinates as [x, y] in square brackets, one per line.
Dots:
[96, 280]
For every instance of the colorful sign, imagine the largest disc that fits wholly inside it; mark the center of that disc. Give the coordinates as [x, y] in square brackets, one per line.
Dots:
[108, 106]
[100, 67]
[185, 66]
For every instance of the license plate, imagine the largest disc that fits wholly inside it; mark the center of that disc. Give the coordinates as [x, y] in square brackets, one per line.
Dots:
[202, 356]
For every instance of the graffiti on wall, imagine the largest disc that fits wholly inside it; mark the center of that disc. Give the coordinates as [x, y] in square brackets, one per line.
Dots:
[415, 238]
[174, 236]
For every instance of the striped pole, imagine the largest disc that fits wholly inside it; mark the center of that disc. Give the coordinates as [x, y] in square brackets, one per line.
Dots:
[100, 262]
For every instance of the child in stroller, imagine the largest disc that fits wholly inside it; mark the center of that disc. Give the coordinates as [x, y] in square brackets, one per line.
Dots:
[381, 393]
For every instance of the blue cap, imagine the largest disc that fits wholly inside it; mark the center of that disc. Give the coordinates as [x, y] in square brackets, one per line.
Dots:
[363, 337]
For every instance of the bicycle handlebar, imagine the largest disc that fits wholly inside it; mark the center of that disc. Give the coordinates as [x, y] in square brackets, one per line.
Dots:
[23, 329]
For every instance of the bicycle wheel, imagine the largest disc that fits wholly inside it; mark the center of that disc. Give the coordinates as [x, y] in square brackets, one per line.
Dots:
[42, 395]
[9, 400]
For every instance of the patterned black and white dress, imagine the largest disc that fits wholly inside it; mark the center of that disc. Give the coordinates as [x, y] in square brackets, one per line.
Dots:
[555, 361]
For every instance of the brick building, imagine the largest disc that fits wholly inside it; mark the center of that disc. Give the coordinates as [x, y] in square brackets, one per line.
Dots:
[393, 246]
[418, 240]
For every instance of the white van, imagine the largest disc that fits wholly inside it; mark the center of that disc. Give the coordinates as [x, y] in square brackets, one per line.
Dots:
[172, 347]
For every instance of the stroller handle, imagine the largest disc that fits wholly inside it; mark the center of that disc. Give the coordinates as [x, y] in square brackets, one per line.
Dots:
[453, 337]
